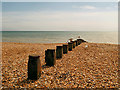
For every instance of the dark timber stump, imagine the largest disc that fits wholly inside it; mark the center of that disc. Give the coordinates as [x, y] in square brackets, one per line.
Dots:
[82, 41]
[70, 46]
[65, 49]
[50, 58]
[34, 67]
[79, 41]
[76, 42]
[59, 52]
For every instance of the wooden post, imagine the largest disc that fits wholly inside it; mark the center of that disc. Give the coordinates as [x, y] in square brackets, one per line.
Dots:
[82, 40]
[65, 49]
[79, 41]
[76, 42]
[70, 46]
[59, 52]
[50, 58]
[34, 67]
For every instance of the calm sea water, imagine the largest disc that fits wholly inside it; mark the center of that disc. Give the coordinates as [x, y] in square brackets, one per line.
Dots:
[59, 36]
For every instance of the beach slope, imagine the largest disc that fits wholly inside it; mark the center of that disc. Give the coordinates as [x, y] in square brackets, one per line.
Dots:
[93, 66]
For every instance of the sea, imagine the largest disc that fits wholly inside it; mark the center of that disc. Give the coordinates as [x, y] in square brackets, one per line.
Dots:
[110, 37]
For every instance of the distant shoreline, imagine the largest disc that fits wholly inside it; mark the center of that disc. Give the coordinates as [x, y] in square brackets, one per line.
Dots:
[55, 43]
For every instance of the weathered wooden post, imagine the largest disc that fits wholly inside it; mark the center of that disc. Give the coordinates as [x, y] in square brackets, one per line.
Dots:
[50, 57]
[59, 52]
[34, 67]
[70, 46]
[82, 40]
[74, 44]
[65, 49]
[79, 41]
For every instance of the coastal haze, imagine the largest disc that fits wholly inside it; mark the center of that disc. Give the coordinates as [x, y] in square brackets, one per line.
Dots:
[60, 16]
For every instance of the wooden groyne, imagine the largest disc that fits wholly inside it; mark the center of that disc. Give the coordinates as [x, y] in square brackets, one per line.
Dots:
[51, 55]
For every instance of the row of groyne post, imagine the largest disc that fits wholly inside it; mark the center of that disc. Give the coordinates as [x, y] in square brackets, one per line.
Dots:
[34, 63]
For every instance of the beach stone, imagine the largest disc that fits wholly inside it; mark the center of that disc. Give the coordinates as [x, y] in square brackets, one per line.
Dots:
[50, 57]
[34, 67]
[70, 46]
[65, 49]
[59, 52]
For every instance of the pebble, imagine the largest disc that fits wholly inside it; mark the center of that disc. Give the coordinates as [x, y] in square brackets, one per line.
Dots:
[90, 68]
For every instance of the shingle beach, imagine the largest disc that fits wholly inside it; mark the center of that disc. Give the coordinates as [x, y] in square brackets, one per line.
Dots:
[94, 66]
